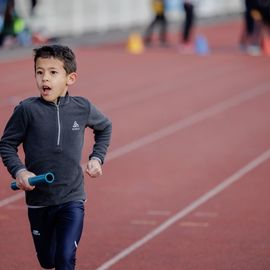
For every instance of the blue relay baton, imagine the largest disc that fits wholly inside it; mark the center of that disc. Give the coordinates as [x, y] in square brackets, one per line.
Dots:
[35, 180]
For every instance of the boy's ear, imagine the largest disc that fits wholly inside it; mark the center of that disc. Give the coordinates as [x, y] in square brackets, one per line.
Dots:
[72, 77]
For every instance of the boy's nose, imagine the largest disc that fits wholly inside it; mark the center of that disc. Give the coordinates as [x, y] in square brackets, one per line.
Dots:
[45, 77]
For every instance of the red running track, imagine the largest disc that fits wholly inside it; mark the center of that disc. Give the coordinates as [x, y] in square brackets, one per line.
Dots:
[186, 181]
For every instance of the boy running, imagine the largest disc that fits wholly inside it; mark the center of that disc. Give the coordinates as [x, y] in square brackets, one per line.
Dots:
[51, 129]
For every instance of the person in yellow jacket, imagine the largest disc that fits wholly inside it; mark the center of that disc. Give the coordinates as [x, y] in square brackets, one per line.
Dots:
[160, 19]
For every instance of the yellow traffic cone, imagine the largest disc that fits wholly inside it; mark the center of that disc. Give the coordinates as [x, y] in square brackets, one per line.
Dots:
[135, 44]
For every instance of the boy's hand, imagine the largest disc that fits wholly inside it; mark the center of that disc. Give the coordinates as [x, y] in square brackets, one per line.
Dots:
[94, 168]
[22, 180]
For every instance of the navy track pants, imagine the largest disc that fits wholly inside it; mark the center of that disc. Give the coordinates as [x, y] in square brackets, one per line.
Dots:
[56, 232]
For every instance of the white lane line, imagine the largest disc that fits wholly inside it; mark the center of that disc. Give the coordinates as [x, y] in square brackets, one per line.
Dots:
[12, 199]
[190, 120]
[182, 213]
[151, 90]
[184, 123]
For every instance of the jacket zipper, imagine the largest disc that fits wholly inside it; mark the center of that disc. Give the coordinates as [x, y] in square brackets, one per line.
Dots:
[59, 125]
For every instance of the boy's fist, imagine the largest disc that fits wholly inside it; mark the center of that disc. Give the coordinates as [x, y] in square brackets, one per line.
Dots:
[94, 168]
[22, 180]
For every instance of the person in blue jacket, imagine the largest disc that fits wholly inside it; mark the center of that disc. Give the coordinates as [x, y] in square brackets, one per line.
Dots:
[51, 129]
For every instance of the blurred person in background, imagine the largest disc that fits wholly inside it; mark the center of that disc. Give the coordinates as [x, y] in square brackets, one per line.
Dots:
[264, 9]
[187, 26]
[33, 6]
[250, 38]
[37, 37]
[256, 26]
[9, 14]
[160, 19]
[14, 30]
[2, 12]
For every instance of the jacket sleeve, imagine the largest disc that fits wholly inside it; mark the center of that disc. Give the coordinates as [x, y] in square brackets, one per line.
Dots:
[13, 136]
[102, 128]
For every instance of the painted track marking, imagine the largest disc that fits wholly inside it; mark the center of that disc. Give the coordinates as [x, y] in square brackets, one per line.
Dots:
[135, 96]
[11, 199]
[183, 212]
[194, 224]
[177, 126]
[189, 121]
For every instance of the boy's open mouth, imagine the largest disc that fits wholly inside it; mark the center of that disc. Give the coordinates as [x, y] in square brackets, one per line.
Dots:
[46, 89]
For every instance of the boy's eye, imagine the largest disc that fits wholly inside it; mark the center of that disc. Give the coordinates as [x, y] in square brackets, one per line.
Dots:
[38, 72]
[53, 72]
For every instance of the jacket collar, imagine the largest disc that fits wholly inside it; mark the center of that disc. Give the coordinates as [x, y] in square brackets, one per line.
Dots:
[61, 100]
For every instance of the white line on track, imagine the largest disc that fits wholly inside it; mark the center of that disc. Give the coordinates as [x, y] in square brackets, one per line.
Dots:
[190, 120]
[12, 199]
[177, 126]
[183, 212]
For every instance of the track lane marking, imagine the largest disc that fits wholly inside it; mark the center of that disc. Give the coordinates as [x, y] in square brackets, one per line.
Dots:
[175, 127]
[189, 121]
[194, 224]
[135, 96]
[11, 199]
[185, 211]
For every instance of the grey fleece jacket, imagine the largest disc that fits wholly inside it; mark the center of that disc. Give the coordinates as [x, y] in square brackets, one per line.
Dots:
[52, 137]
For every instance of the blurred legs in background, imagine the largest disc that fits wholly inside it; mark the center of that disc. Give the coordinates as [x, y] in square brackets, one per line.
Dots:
[255, 35]
[188, 23]
[186, 44]
[159, 20]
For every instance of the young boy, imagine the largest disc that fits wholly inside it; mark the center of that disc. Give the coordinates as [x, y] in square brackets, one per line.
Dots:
[51, 129]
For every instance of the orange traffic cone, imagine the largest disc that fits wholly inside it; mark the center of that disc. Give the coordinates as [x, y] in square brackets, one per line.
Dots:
[266, 45]
[135, 44]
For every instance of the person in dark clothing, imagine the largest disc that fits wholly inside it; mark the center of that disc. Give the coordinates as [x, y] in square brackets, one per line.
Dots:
[160, 19]
[51, 129]
[186, 44]
[249, 21]
[186, 29]
[256, 23]
[14, 30]
[188, 22]
[247, 37]
[8, 22]
[33, 5]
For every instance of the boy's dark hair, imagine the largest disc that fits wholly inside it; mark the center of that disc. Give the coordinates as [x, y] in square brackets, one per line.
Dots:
[60, 52]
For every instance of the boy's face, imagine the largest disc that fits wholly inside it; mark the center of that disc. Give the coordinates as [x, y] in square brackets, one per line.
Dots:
[52, 79]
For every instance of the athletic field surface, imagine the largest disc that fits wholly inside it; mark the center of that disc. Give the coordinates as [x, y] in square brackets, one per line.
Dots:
[187, 177]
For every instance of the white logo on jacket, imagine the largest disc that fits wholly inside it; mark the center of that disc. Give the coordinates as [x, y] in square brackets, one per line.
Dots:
[75, 126]
[36, 232]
